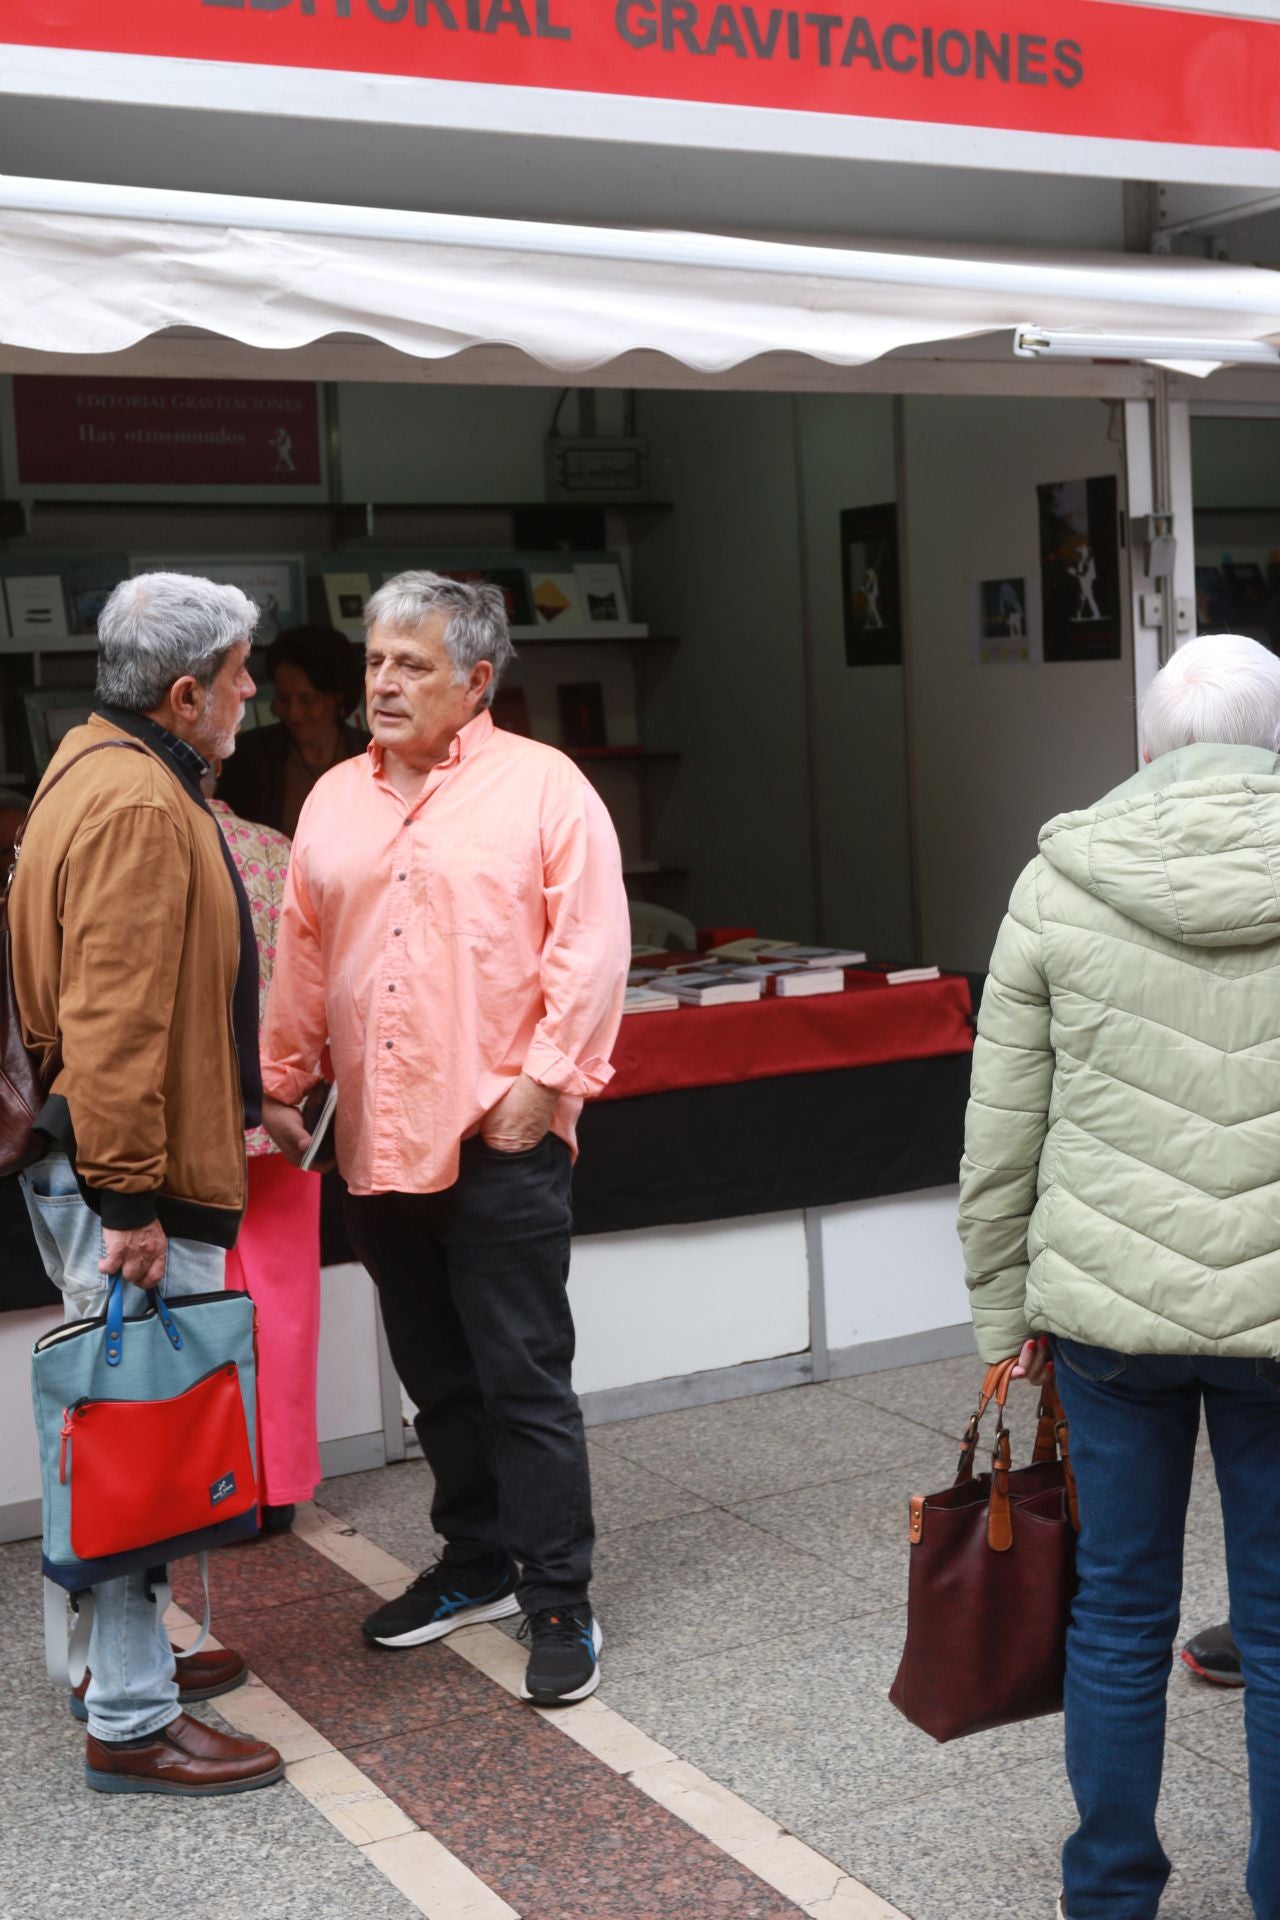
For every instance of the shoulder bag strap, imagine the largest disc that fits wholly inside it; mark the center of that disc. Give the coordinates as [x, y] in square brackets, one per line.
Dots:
[133, 746]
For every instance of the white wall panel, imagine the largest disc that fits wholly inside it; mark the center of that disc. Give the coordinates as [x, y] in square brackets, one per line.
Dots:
[348, 1396]
[893, 1267]
[674, 1300]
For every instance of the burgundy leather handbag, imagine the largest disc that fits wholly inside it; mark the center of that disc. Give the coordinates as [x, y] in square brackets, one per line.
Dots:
[24, 1078]
[991, 1581]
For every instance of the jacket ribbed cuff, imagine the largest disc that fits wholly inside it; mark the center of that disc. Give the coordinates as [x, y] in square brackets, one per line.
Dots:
[120, 1211]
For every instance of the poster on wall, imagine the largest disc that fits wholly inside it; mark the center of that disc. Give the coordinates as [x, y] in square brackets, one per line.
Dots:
[1080, 569]
[86, 430]
[872, 595]
[1000, 635]
[274, 585]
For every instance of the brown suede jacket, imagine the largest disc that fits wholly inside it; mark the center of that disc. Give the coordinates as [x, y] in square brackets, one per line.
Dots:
[126, 945]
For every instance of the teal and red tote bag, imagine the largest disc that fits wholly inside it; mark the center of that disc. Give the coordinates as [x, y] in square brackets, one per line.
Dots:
[146, 1429]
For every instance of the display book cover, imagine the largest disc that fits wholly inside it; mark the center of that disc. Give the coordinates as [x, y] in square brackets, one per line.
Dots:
[318, 1110]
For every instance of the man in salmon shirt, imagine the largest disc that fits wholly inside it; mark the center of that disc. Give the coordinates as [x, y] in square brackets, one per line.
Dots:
[455, 926]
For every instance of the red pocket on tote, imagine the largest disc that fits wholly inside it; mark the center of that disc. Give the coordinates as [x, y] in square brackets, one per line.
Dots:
[149, 1470]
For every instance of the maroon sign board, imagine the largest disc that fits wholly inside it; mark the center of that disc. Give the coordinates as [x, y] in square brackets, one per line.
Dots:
[84, 431]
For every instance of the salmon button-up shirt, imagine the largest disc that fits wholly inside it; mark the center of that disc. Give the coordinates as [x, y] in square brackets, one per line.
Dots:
[443, 947]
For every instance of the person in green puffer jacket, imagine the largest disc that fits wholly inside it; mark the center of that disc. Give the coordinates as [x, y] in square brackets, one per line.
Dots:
[1120, 1214]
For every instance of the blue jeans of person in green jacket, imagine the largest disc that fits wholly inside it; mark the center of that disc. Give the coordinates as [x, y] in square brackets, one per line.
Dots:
[1134, 1421]
[133, 1689]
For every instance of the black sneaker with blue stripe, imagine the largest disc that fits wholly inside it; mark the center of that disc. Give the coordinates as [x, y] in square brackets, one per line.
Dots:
[564, 1655]
[448, 1595]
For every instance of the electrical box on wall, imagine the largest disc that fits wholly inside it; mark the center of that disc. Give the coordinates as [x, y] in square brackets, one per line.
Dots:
[596, 468]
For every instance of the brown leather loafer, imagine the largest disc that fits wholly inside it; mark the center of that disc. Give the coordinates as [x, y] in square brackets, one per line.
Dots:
[202, 1676]
[187, 1758]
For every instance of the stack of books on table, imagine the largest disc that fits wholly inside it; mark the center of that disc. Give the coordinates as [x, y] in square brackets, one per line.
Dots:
[647, 999]
[708, 982]
[792, 970]
[793, 980]
[904, 976]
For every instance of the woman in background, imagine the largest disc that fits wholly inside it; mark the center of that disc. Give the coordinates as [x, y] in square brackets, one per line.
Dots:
[318, 677]
[276, 1259]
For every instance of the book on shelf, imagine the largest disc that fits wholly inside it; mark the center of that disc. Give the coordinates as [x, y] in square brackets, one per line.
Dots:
[601, 592]
[36, 607]
[644, 999]
[712, 988]
[555, 600]
[802, 956]
[793, 980]
[346, 594]
[904, 976]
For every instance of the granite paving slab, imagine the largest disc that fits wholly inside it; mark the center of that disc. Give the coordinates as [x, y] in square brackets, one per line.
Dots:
[707, 1581]
[771, 1443]
[267, 1855]
[313, 1653]
[991, 1846]
[272, 1570]
[555, 1832]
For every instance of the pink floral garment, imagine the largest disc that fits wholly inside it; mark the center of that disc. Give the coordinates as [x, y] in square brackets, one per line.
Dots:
[261, 856]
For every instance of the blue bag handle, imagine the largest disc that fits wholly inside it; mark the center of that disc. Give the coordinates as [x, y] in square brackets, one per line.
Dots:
[115, 1320]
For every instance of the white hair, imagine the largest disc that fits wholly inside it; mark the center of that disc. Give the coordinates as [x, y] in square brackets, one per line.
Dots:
[475, 612]
[158, 627]
[1222, 689]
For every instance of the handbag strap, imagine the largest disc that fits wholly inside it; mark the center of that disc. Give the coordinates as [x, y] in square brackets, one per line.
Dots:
[66, 1655]
[133, 746]
[1053, 1442]
[162, 1593]
[115, 1320]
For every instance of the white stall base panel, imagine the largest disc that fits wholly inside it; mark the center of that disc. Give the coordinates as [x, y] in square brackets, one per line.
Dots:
[348, 1399]
[19, 1459]
[893, 1267]
[678, 1300]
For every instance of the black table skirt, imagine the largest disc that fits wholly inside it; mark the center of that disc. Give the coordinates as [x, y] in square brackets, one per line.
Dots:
[707, 1153]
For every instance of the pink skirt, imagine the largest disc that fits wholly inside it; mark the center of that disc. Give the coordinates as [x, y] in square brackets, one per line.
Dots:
[276, 1261]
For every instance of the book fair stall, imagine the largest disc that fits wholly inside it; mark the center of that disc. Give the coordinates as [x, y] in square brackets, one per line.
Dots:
[841, 518]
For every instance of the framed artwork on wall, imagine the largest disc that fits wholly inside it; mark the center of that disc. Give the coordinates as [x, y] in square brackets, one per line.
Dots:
[872, 590]
[1001, 638]
[1080, 569]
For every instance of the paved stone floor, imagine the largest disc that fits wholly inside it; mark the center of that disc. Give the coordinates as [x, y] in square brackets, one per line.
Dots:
[741, 1757]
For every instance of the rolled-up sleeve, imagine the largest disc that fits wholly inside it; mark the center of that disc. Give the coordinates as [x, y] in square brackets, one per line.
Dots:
[587, 949]
[295, 1026]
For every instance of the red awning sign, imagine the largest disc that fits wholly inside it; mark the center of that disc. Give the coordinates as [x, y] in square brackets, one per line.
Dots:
[1091, 68]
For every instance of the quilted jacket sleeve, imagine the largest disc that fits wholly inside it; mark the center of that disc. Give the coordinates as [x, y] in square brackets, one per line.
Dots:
[1005, 1127]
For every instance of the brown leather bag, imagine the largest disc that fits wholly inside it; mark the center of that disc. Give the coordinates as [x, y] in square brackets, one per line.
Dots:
[24, 1077]
[991, 1581]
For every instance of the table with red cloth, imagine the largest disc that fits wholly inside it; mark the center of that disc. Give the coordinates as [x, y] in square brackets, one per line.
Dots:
[778, 1104]
[717, 1112]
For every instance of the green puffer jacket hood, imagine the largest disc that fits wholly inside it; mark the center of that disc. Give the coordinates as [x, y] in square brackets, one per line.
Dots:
[1121, 1177]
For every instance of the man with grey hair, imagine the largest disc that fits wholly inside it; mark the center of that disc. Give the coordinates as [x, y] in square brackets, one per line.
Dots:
[1118, 1208]
[136, 972]
[455, 927]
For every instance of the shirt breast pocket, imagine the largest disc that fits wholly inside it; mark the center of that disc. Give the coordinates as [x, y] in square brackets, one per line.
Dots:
[473, 890]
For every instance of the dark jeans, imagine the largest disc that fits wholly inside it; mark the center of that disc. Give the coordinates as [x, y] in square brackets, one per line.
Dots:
[1133, 1423]
[472, 1284]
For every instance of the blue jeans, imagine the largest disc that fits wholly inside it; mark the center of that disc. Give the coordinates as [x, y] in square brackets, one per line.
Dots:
[1134, 1421]
[133, 1690]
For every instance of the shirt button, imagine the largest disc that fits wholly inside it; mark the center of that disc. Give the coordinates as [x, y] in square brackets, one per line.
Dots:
[390, 1044]
[396, 932]
[391, 986]
[402, 876]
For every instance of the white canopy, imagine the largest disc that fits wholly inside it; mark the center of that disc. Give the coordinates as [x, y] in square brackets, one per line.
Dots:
[86, 269]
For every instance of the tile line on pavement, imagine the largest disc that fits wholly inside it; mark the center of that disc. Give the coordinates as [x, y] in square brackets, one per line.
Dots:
[813, 1883]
